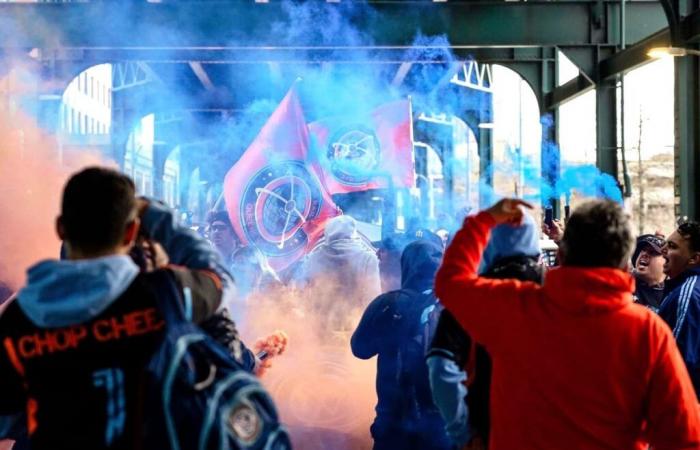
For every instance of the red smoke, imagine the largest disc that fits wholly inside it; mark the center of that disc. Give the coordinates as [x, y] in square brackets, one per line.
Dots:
[32, 175]
[324, 394]
[270, 346]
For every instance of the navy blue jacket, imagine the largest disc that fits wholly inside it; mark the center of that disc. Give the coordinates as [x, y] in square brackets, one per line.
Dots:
[76, 340]
[681, 311]
[382, 332]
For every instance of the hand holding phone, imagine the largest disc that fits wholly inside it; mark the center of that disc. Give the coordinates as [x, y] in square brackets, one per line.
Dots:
[549, 216]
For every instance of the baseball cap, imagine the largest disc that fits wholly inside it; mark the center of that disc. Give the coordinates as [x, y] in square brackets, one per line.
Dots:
[649, 242]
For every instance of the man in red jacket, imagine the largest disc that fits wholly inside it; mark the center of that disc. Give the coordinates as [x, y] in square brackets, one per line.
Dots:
[576, 364]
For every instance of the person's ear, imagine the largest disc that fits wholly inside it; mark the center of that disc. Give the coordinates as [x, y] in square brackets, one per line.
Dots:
[694, 259]
[131, 232]
[60, 229]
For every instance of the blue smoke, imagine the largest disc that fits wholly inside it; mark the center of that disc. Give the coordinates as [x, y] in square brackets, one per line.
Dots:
[350, 88]
[584, 179]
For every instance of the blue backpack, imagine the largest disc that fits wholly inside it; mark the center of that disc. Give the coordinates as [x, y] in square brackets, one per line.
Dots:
[198, 397]
[416, 319]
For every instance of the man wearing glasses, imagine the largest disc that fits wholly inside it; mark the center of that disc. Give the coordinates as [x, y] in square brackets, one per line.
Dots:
[681, 305]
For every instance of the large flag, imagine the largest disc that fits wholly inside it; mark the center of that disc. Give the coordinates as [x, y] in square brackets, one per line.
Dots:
[359, 153]
[274, 200]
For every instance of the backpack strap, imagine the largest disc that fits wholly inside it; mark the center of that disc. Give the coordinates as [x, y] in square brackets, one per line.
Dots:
[168, 301]
[416, 328]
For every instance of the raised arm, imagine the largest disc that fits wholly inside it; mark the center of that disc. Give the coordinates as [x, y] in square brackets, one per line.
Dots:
[207, 276]
[482, 306]
[183, 246]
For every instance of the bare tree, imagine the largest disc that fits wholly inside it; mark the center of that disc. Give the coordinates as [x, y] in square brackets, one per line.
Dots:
[640, 172]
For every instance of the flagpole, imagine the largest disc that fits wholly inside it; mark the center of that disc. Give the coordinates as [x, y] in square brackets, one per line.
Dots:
[389, 228]
[410, 116]
[218, 202]
[413, 156]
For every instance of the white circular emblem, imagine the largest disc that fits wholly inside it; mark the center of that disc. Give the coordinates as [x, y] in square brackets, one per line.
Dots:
[245, 424]
[354, 154]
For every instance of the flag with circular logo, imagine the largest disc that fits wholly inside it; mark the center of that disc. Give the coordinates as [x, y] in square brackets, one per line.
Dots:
[360, 153]
[274, 199]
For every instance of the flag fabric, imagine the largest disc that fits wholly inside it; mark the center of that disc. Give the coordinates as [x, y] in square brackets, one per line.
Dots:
[274, 199]
[359, 153]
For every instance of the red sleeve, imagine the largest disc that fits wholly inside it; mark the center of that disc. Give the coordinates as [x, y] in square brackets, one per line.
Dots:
[673, 417]
[484, 307]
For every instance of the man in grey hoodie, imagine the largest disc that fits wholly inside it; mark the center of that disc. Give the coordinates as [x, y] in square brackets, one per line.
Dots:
[76, 340]
[342, 272]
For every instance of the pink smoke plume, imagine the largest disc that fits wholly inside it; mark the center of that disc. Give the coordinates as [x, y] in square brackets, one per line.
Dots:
[324, 394]
[32, 174]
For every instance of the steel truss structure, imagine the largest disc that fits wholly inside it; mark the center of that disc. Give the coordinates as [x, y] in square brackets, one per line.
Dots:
[603, 38]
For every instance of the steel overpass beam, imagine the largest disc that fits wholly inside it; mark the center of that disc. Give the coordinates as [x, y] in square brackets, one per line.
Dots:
[140, 26]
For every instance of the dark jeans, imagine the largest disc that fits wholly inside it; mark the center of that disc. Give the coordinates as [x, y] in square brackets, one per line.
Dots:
[426, 433]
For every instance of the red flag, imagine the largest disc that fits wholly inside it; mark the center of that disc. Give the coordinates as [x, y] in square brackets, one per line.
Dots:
[356, 154]
[274, 200]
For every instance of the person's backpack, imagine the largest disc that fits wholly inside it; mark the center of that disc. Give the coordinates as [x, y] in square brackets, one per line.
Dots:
[419, 319]
[197, 396]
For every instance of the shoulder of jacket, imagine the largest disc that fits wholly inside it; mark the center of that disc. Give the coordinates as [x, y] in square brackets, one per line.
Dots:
[691, 283]
[682, 286]
[391, 297]
[370, 256]
[11, 315]
[658, 332]
[8, 308]
[642, 321]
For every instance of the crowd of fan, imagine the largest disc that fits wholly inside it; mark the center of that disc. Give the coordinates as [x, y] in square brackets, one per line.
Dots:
[479, 344]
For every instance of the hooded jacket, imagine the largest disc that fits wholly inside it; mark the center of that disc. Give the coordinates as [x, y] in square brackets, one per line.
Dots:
[681, 311]
[78, 335]
[507, 242]
[576, 364]
[512, 252]
[344, 269]
[384, 328]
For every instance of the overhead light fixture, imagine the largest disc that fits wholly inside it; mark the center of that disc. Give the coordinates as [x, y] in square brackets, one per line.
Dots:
[674, 52]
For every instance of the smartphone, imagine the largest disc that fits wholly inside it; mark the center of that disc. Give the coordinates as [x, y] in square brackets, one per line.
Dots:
[549, 216]
[263, 355]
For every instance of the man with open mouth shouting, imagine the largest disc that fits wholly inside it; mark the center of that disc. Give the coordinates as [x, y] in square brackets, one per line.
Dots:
[681, 305]
[648, 264]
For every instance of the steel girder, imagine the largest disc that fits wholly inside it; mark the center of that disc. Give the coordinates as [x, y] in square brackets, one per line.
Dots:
[139, 28]
[238, 32]
[630, 58]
